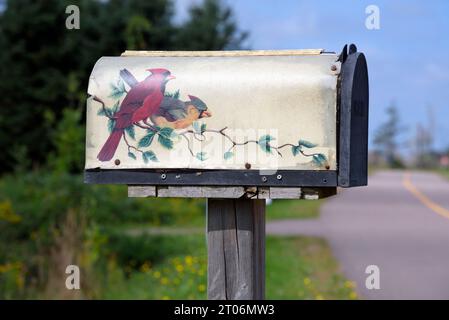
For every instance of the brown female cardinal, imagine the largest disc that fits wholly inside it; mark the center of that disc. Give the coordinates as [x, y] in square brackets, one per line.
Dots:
[143, 100]
[173, 112]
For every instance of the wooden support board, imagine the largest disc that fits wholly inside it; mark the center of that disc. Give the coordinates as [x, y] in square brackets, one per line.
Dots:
[236, 249]
[230, 192]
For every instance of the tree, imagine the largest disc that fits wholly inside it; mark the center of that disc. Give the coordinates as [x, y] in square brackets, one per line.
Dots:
[210, 26]
[385, 138]
[45, 67]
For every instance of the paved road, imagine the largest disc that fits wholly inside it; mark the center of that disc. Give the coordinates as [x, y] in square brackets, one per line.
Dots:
[399, 223]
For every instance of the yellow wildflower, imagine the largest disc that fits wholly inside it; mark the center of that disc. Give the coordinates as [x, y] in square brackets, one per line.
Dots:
[201, 288]
[189, 260]
[179, 268]
[7, 213]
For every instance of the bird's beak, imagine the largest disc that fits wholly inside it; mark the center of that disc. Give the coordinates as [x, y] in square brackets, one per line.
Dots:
[206, 114]
[170, 77]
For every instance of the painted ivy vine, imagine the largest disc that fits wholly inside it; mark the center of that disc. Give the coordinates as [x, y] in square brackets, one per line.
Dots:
[167, 136]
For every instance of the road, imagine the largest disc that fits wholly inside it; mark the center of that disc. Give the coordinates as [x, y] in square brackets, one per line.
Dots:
[400, 223]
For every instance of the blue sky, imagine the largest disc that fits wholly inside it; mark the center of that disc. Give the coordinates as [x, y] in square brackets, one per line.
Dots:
[408, 58]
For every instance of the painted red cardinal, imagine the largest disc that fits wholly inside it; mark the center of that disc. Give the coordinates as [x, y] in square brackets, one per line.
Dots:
[143, 100]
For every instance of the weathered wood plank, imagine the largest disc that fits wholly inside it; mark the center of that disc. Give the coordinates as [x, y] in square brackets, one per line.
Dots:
[141, 191]
[285, 193]
[236, 249]
[200, 192]
[230, 192]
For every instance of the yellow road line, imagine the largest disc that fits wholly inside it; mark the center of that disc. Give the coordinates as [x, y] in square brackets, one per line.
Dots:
[407, 183]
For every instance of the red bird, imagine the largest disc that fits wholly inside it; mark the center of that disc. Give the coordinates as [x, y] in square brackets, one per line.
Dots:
[143, 100]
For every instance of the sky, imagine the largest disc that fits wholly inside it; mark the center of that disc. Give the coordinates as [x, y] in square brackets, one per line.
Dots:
[408, 57]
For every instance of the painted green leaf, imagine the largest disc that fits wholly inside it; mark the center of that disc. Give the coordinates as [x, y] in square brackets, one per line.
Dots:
[319, 159]
[147, 139]
[264, 143]
[174, 95]
[266, 139]
[101, 112]
[201, 156]
[130, 131]
[203, 127]
[296, 150]
[117, 89]
[265, 147]
[111, 125]
[306, 144]
[115, 107]
[164, 137]
[196, 127]
[227, 155]
[132, 155]
[149, 155]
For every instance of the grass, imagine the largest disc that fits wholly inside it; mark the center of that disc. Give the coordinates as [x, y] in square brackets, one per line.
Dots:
[296, 268]
[293, 209]
[304, 268]
[443, 172]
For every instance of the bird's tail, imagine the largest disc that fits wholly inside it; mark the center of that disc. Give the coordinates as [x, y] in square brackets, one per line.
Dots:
[107, 152]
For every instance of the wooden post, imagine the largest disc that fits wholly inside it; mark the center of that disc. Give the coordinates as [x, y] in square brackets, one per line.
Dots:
[236, 249]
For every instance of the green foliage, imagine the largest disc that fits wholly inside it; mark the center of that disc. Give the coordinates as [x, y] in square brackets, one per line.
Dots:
[264, 143]
[306, 144]
[174, 95]
[228, 155]
[147, 139]
[111, 125]
[132, 155]
[149, 156]
[164, 137]
[117, 90]
[130, 131]
[69, 140]
[34, 208]
[319, 159]
[296, 150]
[211, 26]
[137, 32]
[202, 156]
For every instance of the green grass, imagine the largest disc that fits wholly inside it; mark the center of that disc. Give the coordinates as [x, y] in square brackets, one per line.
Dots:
[296, 268]
[304, 268]
[293, 209]
[443, 172]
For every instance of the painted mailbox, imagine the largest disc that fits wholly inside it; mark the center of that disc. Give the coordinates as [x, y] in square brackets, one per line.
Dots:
[295, 117]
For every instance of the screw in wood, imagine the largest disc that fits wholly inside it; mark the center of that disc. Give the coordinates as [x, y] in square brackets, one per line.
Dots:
[264, 179]
[163, 176]
[248, 165]
[334, 67]
[117, 162]
[279, 177]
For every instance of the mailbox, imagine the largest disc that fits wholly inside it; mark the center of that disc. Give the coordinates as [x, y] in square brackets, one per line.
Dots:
[291, 118]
